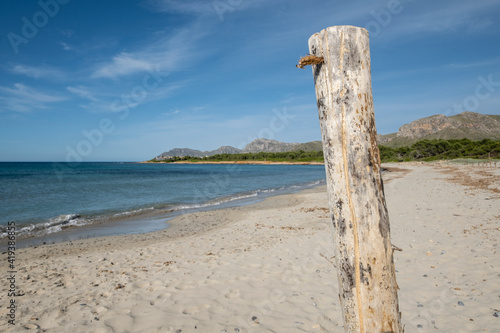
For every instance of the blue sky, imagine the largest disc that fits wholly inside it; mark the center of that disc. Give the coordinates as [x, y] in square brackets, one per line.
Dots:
[126, 80]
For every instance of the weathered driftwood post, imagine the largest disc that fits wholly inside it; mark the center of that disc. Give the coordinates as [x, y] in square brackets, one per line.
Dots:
[364, 255]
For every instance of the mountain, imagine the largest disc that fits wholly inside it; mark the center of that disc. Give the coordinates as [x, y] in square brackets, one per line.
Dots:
[470, 125]
[180, 152]
[255, 146]
[224, 150]
[271, 146]
[197, 153]
[309, 146]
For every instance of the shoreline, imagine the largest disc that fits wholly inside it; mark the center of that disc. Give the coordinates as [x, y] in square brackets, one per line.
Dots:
[176, 226]
[270, 266]
[147, 221]
[155, 220]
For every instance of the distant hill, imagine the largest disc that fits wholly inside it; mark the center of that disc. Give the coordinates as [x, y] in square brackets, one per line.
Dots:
[180, 152]
[470, 125]
[223, 150]
[270, 146]
[256, 146]
[309, 146]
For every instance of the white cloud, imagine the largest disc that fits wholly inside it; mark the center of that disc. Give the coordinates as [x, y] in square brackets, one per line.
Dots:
[67, 32]
[475, 64]
[171, 113]
[116, 102]
[122, 64]
[66, 47]
[44, 72]
[163, 92]
[218, 8]
[442, 17]
[22, 98]
[23, 91]
[82, 92]
[171, 53]
[186, 6]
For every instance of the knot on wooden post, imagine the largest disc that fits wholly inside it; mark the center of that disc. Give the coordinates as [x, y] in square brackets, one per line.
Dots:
[309, 60]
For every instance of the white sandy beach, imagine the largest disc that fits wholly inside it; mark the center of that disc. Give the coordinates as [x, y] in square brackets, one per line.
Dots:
[269, 267]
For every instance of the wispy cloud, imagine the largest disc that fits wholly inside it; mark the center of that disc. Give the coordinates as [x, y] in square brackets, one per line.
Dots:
[189, 125]
[186, 6]
[442, 17]
[41, 72]
[122, 64]
[66, 47]
[67, 32]
[166, 91]
[170, 53]
[207, 7]
[474, 64]
[21, 98]
[90, 48]
[172, 113]
[104, 102]
[82, 92]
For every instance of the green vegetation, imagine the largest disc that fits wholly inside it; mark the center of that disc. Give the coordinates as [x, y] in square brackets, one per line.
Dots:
[431, 150]
[291, 156]
[424, 150]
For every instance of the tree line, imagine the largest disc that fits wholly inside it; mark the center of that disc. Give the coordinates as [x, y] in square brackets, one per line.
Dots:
[431, 150]
[290, 156]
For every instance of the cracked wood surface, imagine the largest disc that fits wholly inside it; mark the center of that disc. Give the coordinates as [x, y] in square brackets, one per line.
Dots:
[367, 281]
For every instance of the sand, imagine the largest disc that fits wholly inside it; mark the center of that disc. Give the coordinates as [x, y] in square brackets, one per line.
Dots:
[269, 267]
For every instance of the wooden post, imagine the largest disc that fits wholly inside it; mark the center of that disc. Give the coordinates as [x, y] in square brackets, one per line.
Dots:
[364, 255]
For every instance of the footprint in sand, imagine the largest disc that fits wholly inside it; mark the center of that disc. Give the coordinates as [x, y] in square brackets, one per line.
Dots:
[120, 323]
[99, 309]
[232, 294]
[194, 309]
[164, 296]
[184, 287]
[141, 284]
[157, 285]
[48, 320]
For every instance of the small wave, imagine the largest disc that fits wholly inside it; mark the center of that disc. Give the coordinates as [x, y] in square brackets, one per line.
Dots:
[315, 182]
[52, 225]
[251, 194]
[271, 190]
[133, 212]
[218, 201]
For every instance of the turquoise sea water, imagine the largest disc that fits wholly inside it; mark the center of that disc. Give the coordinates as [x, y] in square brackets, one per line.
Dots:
[44, 198]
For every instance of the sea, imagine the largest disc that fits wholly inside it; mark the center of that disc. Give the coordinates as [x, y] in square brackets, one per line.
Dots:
[81, 200]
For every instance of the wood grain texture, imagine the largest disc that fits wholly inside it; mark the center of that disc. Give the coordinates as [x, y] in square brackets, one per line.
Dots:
[367, 281]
